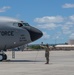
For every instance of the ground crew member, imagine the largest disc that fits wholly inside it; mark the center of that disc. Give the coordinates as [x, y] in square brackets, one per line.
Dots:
[47, 49]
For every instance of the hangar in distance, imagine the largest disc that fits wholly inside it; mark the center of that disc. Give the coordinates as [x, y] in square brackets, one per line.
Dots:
[14, 33]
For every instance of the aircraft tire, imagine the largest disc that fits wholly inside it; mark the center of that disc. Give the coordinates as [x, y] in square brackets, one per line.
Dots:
[1, 57]
[4, 57]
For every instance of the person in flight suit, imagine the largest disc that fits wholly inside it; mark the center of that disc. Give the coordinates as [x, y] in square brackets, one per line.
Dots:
[47, 49]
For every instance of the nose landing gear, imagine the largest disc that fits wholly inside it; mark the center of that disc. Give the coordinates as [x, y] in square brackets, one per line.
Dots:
[3, 57]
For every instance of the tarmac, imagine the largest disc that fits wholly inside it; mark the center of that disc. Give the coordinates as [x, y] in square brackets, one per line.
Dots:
[33, 63]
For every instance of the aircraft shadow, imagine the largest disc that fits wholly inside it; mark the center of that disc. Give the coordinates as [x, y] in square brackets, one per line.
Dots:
[25, 61]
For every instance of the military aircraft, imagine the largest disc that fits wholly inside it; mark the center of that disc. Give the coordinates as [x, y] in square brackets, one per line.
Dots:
[14, 33]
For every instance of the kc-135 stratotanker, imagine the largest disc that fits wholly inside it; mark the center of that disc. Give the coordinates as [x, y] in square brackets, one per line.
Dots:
[14, 33]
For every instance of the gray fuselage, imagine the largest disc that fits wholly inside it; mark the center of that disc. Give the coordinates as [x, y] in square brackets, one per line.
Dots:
[14, 33]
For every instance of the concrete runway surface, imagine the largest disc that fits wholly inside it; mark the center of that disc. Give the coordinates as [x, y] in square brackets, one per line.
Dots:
[33, 63]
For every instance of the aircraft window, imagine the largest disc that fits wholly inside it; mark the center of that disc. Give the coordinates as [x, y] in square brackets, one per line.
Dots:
[20, 25]
[15, 24]
[26, 24]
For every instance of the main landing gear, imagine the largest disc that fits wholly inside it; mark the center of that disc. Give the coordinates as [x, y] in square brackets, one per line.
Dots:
[3, 56]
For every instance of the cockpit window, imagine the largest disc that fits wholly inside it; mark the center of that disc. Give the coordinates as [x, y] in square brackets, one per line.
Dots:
[20, 25]
[26, 24]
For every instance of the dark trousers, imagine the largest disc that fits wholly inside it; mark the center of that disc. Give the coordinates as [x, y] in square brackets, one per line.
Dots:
[47, 59]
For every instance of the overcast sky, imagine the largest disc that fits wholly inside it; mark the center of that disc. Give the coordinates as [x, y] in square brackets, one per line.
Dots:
[55, 18]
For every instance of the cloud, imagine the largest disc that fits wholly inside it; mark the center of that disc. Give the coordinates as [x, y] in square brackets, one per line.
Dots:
[4, 8]
[49, 22]
[45, 35]
[71, 36]
[48, 26]
[67, 29]
[68, 25]
[68, 5]
[56, 28]
[57, 35]
[49, 19]
[71, 18]
[59, 26]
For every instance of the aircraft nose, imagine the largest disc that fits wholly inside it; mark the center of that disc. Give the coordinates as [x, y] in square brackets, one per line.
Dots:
[35, 33]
